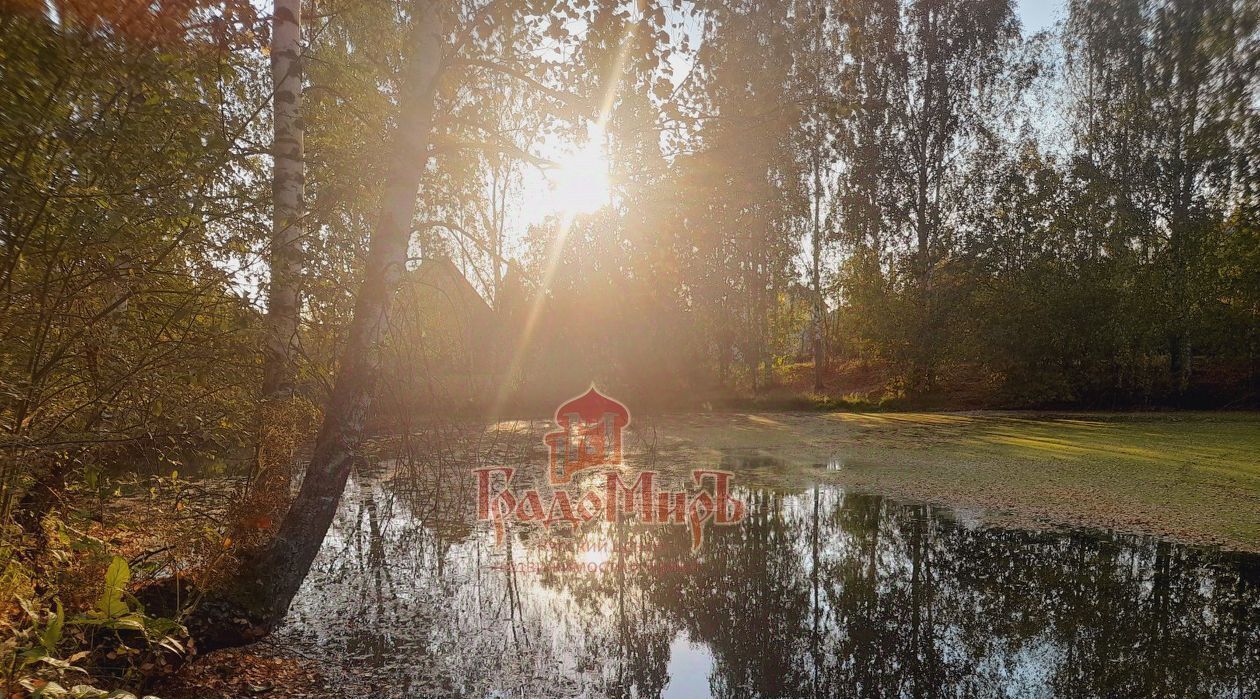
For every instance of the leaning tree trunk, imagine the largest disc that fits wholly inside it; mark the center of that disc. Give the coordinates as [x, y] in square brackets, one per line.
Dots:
[286, 192]
[269, 579]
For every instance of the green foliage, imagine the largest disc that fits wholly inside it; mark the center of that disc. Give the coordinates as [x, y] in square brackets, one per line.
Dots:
[122, 196]
[111, 605]
[105, 635]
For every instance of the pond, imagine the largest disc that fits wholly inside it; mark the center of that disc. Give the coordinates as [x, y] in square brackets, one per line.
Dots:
[816, 591]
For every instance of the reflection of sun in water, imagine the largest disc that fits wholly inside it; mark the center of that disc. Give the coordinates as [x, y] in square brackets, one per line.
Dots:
[594, 556]
[579, 183]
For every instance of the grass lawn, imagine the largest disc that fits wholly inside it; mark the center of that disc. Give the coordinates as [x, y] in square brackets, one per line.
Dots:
[1194, 477]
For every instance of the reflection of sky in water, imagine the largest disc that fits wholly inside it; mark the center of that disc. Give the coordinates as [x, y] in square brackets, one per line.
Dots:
[689, 668]
[816, 593]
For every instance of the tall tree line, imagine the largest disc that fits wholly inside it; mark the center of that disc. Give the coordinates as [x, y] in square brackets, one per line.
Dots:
[986, 215]
[1065, 256]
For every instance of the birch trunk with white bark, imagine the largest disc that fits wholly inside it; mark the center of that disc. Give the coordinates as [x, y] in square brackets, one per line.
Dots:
[287, 185]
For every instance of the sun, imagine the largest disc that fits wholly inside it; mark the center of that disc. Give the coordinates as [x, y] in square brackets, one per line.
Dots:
[579, 182]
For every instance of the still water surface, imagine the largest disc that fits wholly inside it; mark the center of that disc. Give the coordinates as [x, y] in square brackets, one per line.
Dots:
[818, 592]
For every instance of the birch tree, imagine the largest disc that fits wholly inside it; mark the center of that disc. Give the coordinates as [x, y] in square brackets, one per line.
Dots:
[283, 300]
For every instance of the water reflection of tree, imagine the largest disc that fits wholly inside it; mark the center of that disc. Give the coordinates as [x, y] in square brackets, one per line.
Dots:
[911, 603]
[817, 593]
[627, 635]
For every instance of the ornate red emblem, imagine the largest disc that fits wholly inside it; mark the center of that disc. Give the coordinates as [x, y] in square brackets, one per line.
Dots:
[589, 435]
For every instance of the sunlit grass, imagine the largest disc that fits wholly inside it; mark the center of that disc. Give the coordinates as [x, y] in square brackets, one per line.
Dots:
[1190, 475]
